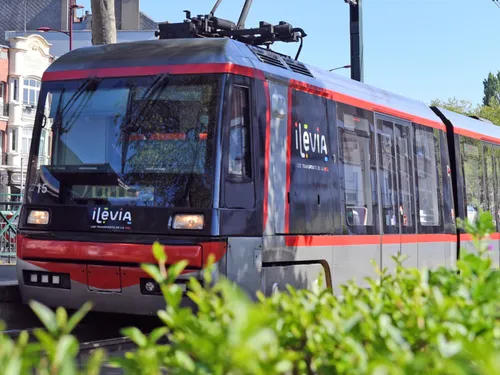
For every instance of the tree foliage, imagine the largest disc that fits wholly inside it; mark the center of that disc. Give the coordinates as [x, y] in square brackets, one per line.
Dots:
[491, 88]
[488, 110]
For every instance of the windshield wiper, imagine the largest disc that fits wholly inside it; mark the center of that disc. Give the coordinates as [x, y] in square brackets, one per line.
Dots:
[80, 90]
[73, 99]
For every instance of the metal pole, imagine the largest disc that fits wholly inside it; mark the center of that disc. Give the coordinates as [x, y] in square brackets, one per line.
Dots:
[71, 10]
[22, 179]
[356, 26]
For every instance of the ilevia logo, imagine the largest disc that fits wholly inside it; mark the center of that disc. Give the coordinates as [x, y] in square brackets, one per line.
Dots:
[111, 219]
[309, 141]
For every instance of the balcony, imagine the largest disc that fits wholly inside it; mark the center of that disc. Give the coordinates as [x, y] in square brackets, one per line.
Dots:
[29, 110]
[4, 109]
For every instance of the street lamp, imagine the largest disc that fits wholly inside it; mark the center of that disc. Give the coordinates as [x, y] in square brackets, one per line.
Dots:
[71, 18]
[340, 67]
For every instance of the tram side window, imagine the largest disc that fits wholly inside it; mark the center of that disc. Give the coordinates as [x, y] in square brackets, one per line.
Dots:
[240, 162]
[473, 176]
[490, 181]
[428, 176]
[359, 170]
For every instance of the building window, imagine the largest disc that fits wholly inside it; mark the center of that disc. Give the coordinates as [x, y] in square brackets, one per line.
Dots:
[31, 91]
[26, 140]
[13, 139]
[15, 89]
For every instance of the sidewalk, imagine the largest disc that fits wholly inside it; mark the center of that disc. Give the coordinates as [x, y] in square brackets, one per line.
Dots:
[8, 274]
[9, 291]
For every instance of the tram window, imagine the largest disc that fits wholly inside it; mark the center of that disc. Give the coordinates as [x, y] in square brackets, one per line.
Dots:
[239, 135]
[428, 172]
[359, 170]
[473, 177]
[490, 180]
[448, 203]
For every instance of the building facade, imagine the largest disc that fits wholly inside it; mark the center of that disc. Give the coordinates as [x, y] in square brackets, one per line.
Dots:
[25, 16]
[28, 57]
[4, 113]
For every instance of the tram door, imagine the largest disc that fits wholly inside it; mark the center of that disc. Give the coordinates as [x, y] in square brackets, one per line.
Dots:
[396, 189]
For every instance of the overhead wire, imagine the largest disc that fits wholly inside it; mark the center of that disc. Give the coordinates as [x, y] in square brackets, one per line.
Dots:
[497, 3]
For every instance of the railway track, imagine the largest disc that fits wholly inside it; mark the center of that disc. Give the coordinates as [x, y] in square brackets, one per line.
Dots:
[100, 331]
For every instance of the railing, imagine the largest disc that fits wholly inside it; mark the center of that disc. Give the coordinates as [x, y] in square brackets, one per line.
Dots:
[10, 207]
[29, 110]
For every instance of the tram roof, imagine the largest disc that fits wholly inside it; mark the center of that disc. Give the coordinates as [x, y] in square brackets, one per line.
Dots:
[470, 124]
[224, 50]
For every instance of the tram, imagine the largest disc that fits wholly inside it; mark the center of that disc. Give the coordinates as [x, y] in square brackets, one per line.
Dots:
[216, 145]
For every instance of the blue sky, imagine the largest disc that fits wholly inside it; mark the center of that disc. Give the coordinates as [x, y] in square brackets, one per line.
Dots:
[423, 49]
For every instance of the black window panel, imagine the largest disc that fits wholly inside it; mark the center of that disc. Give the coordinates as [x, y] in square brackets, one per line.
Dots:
[310, 198]
[358, 170]
[336, 190]
[448, 202]
[428, 180]
[472, 165]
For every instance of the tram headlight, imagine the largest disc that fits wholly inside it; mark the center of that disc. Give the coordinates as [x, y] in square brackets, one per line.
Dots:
[38, 217]
[188, 221]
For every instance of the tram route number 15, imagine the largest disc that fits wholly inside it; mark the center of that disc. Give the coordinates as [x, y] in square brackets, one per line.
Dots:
[42, 188]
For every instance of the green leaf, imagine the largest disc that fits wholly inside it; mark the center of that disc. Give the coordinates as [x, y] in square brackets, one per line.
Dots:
[185, 361]
[14, 366]
[157, 334]
[153, 271]
[175, 270]
[135, 335]
[61, 317]
[78, 316]
[95, 362]
[46, 340]
[159, 253]
[46, 316]
[283, 366]
[66, 347]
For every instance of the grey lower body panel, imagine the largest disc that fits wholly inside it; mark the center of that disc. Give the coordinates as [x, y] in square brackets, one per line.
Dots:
[128, 301]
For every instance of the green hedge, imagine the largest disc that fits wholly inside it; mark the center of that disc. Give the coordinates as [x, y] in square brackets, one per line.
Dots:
[411, 321]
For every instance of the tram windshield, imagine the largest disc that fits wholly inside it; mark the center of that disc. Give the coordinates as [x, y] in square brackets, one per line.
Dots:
[146, 141]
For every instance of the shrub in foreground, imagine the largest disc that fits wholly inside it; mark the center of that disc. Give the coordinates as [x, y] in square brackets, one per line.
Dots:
[411, 321]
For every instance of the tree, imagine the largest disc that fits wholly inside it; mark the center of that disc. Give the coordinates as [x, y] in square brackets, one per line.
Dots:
[491, 112]
[464, 107]
[103, 22]
[491, 88]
